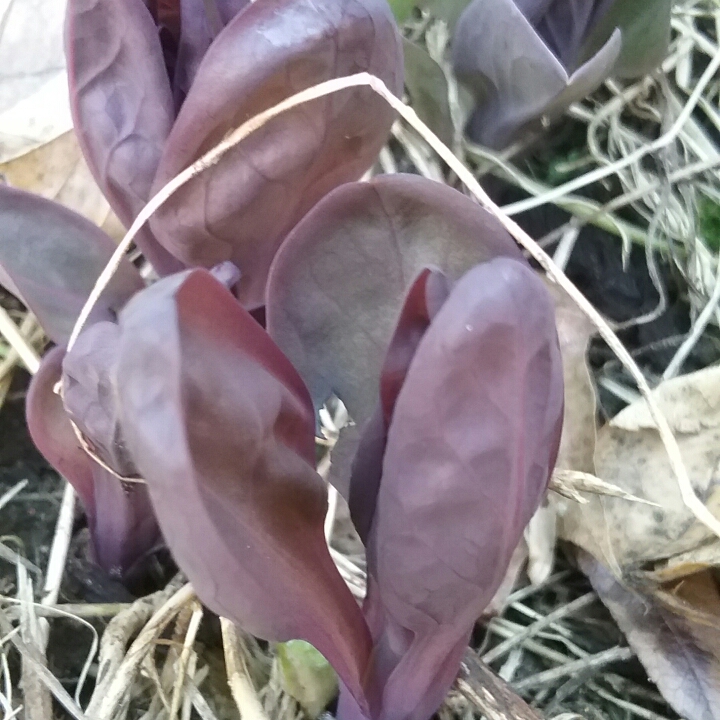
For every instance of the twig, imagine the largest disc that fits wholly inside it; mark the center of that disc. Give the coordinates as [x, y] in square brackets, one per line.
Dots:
[182, 665]
[565, 482]
[625, 704]
[241, 687]
[33, 632]
[18, 342]
[530, 590]
[331, 511]
[14, 559]
[499, 650]
[201, 705]
[76, 610]
[104, 704]
[59, 548]
[490, 694]
[27, 327]
[7, 496]
[592, 662]
[118, 633]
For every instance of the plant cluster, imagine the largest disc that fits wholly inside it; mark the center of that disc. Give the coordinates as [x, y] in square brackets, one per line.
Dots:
[185, 412]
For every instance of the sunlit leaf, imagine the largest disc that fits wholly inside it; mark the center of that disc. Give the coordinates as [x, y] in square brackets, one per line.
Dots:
[339, 282]
[51, 257]
[241, 208]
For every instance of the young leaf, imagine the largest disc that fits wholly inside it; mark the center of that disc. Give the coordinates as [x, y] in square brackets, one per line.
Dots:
[122, 525]
[202, 21]
[51, 431]
[122, 104]
[517, 80]
[339, 281]
[422, 302]
[52, 257]
[241, 208]
[89, 394]
[645, 30]
[306, 676]
[402, 9]
[222, 428]
[453, 504]
[565, 24]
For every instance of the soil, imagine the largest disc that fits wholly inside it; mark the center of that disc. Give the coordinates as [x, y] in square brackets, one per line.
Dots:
[28, 526]
[27, 521]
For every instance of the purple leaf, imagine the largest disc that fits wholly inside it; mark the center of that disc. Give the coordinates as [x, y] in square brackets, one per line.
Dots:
[202, 21]
[122, 104]
[501, 55]
[241, 208]
[52, 432]
[338, 283]
[674, 632]
[228, 9]
[565, 25]
[472, 442]
[422, 302]
[222, 428]
[122, 526]
[53, 257]
[89, 394]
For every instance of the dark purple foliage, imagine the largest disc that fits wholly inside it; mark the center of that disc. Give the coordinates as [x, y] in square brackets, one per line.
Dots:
[458, 404]
[339, 282]
[222, 427]
[517, 79]
[50, 258]
[155, 87]
[415, 307]
[474, 430]
[422, 302]
[242, 208]
[526, 61]
[178, 410]
[122, 104]
[122, 524]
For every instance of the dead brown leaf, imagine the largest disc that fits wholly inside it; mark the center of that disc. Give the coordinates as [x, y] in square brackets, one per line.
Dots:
[675, 631]
[577, 445]
[630, 455]
[656, 568]
[38, 149]
[57, 171]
